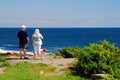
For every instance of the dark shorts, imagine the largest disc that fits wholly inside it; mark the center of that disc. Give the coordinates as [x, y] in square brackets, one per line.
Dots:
[23, 46]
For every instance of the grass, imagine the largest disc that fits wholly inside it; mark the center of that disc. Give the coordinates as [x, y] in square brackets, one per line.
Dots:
[30, 71]
[60, 65]
[3, 61]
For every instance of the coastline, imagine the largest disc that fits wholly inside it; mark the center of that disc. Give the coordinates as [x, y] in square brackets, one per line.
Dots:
[28, 53]
[13, 52]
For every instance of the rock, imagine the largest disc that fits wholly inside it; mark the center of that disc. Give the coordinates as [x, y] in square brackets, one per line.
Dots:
[99, 76]
[41, 72]
[1, 70]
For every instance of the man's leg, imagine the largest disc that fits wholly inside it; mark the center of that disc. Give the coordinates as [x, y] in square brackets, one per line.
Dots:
[21, 53]
[24, 53]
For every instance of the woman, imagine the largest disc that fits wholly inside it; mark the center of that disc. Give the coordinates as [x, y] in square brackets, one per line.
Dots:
[37, 42]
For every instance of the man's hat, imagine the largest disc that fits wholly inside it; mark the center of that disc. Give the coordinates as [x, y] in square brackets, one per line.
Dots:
[23, 26]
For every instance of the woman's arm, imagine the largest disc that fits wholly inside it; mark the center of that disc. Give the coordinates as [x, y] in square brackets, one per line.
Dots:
[41, 36]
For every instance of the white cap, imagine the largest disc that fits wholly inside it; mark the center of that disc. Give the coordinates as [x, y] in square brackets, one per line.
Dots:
[23, 26]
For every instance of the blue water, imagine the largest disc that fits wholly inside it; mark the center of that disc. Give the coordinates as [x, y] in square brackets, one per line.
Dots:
[57, 38]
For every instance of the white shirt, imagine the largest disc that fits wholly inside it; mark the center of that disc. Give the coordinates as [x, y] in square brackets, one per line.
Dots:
[37, 39]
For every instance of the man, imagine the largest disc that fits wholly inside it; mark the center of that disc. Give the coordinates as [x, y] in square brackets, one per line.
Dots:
[23, 41]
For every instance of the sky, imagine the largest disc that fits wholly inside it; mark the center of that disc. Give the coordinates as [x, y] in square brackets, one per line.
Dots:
[60, 13]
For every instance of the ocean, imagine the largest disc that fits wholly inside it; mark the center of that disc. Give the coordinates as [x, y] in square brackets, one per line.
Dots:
[58, 38]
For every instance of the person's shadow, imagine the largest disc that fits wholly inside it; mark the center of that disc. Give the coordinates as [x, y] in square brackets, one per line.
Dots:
[13, 58]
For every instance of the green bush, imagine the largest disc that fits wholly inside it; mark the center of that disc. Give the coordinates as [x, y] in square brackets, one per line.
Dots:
[2, 58]
[3, 61]
[70, 52]
[99, 58]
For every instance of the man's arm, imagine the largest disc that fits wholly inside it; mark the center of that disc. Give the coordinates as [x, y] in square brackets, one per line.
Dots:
[18, 38]
[28, 40]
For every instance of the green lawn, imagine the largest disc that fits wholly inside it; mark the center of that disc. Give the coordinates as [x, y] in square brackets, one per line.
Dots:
[29, 71]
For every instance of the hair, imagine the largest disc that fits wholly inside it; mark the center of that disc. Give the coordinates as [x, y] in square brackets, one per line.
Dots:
[37, 31]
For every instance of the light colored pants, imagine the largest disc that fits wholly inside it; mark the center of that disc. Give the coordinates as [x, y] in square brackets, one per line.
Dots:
[37, 48]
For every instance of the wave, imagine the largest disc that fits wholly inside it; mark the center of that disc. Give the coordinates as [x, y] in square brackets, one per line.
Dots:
[6, 51]
[9, 45]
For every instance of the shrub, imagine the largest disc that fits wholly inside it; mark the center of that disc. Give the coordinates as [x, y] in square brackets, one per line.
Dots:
[70, 52]
[2, 58]
[3, 61]
[99, 58]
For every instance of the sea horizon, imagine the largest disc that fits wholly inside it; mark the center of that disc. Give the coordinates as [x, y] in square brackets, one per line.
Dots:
[64, 27]
[58, 38]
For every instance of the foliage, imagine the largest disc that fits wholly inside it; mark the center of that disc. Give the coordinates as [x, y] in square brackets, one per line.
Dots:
[103, 57]
[70, 52]
[3, 61]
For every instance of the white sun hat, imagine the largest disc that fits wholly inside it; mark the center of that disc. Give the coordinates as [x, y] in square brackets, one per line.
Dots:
[23, 26]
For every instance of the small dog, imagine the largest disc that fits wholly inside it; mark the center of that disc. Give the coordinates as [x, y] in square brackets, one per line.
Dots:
[43, 51]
